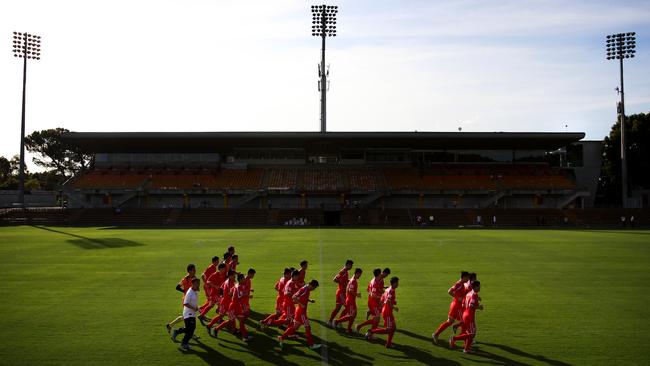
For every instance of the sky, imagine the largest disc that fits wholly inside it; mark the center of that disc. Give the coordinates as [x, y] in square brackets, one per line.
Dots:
[217, 65]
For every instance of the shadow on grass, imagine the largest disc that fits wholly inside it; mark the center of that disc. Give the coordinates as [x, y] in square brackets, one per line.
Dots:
[409, 352]
[261, 346]
[209, 354]
[265, 347]
[413, 335]
[420, 355]
[483, 353]
[93, 243]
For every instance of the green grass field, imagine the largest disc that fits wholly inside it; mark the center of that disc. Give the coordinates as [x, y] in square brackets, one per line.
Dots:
[80, 296]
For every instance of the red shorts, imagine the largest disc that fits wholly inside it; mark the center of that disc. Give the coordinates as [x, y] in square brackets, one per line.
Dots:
[235, 310]
[389, 321]
[456, 310]
[279, 305]
[340, 296]
[246, 309]
[223, 307]
[374, 307]
[469, 324]
[288, 310]
[351, 309]
[301, 317]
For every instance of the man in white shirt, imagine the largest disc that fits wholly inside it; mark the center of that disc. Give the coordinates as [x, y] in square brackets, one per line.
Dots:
[190, 308]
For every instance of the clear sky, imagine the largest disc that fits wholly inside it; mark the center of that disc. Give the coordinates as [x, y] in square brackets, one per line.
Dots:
[214, 65]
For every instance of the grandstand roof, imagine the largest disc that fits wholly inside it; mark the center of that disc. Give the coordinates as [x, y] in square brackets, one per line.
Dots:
[133, 142]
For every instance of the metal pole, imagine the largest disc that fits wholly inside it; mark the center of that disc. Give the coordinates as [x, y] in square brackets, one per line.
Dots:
[623, 154]
[323, 82]
[21, 177]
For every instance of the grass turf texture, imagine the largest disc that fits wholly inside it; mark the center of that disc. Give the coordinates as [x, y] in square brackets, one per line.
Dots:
[79, 296]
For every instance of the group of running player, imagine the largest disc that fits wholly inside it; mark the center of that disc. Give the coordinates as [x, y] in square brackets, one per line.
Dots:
[462, 311]
[230, 291]
[381, 302]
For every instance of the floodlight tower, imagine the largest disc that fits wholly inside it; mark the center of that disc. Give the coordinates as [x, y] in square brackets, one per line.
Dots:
[25, 46]
[323, 25]
[621, 46]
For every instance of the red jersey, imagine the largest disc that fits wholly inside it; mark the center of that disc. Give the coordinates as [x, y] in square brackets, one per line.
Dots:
[245, 288]
[375, 288]
[389, 300]
[301, 276]
[227, 288]
[351, 294]
[342, 278]
[237, 294]
[233, 265]
[209, 271]
[289, 289]
[458, 289]
[302, 296]
[279, 287]
[279, 284]
[217, 279]
[227, 263]
[471, 303]
[468, 286]
[186, 283]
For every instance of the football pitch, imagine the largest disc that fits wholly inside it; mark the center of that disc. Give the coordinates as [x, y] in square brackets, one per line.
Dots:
[101, 296]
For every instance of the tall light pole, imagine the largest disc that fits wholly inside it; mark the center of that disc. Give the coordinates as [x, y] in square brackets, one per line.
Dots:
[621, 46]
[26, 46]
[323, 25]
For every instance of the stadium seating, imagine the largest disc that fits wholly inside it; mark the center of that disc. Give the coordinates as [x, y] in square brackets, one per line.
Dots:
[115, 181]
[364, 180]
[319, 179]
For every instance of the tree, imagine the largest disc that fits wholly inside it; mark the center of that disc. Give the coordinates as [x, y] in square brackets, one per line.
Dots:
[637, 141]
[55, 154]
[5, 168]
[9, 172]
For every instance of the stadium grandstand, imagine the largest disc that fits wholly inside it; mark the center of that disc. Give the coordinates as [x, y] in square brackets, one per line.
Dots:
[333, 178]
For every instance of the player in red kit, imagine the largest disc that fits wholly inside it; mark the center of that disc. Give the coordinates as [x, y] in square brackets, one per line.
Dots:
[224, 302]
[468, 288]
[212, 268]
[301, 298]
[458, 292]
[279, 287]
[226, 260]
[303, 273]
[214, 282]
[389, 302]
[351, 294]
[236, 310]
[468, 329]
[234, 261]
[246, 288]
[341, 279]
[375, 290]
[288, 307]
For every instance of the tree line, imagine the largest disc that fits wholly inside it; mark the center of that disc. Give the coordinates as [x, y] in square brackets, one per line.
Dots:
[60, 161]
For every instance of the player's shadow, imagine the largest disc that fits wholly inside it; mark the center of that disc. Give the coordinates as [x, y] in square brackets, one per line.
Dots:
[94, 243]
[413, 335]
[484, 353]
[419, 354]
[335, 354]
[254, 315]
[261, 346]
[210, 355]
